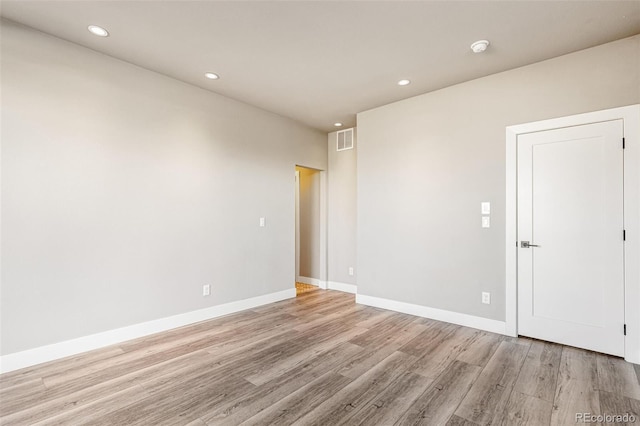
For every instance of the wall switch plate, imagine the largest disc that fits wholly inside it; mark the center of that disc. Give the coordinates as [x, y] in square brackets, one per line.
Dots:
[206, 289]
[486, 222]
[351, 270]
[262, 222]
[485, 207]
[486, 298]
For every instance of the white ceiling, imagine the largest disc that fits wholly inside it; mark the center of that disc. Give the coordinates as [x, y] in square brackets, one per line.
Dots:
[319, 62]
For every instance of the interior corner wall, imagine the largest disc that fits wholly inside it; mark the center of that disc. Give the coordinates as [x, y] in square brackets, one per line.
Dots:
[426, 163]
[342, 211]
[125, 191]
[309, 223]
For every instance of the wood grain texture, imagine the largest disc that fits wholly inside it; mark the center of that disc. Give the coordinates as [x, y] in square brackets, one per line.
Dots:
[523, 410]
[439, 357]
[297, 404]
[490, 393]
[284, 364]
[436, 333]
[181, 404]
[576, 390]
[321, 359]
[480, 349]
[613, 404]
[617, 376]
[390, 405]
[373, 354]
[459, 421]
[93, 412]
[60, 366]
[540, 371]
[352, 315]
[343, 405]
[22, 389]
[385, 331]
[235, 411]
[437, 404]
[30, 412]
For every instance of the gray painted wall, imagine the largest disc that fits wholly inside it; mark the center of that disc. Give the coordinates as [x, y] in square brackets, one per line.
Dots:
[309, 223]
[426, 163]
[342, 212]
[125, 191]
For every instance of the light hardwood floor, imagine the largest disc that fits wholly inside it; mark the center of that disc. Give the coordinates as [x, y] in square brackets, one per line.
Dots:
[320, 359]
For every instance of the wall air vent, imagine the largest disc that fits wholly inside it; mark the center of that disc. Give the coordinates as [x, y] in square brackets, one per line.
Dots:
[345, 139]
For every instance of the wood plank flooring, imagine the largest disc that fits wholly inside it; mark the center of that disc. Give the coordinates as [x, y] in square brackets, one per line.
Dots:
[320, 359]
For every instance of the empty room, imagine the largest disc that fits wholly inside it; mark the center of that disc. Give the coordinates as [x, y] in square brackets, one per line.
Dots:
[319, 212]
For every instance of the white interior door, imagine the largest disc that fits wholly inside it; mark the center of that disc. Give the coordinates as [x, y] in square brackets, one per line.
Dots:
[570, 206]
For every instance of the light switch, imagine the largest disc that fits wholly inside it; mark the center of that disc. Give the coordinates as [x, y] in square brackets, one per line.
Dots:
[262, 222]
[486, 222]
[485, 207]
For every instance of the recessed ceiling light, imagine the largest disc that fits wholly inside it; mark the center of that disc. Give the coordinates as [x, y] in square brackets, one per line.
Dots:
[337, 124]
[403, 82]
[480, 46]
[211, 76]
[99, 31]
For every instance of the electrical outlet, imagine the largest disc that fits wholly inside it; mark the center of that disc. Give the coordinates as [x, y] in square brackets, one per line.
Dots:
[206, 289]
[486, 298]
[486, 222]
[262, 222]
[351, 270]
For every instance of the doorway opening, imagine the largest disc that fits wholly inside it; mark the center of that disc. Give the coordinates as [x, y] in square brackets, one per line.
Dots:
[310, 230]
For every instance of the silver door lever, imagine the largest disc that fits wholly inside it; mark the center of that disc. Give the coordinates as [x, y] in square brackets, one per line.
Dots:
[525, 244]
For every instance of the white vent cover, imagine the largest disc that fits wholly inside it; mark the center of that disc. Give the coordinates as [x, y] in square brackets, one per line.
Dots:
[345, 139]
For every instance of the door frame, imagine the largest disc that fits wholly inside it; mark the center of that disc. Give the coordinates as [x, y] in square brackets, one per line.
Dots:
[297, 207]
[631, 124]
[323, 260]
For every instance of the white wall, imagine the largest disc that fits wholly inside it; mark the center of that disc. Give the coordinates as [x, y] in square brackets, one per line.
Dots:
[426, 163]
[342, 211]
[124, 191]
[310, 266]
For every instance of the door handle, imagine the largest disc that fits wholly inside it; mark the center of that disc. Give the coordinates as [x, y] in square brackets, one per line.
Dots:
[525, 244]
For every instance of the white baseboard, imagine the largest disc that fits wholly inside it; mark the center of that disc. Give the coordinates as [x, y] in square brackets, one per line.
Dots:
[347, 288]
[480, 323]
[312, 281]
[59, 350]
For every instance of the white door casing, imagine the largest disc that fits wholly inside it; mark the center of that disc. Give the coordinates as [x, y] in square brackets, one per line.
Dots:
[297, 207]
[570, 209]
[630, 116]
[323, 255]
